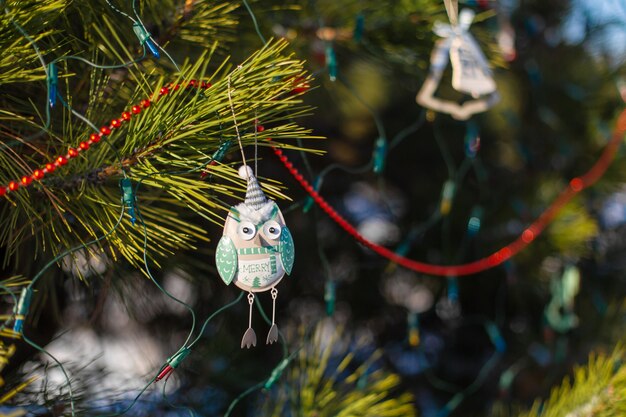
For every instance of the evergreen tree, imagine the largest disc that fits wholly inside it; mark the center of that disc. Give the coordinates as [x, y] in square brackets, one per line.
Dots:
[122, 128]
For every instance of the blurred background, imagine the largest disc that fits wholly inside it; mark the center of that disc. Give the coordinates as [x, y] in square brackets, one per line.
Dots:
[363, 336]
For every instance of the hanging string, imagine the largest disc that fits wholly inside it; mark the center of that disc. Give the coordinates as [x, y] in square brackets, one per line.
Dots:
[452, 8]
[232, 109]
[256, 145]
[575, 186]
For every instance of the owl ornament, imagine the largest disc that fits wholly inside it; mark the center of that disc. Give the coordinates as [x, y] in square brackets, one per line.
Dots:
[256, 250]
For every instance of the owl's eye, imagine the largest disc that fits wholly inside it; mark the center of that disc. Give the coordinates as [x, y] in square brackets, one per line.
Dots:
[246, 230]
[272, 229]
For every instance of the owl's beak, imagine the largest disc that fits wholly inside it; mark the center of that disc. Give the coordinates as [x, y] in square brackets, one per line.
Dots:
[261, 241]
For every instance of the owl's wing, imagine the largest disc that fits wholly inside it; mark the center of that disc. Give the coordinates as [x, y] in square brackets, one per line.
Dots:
[287, 250]
[226, 259]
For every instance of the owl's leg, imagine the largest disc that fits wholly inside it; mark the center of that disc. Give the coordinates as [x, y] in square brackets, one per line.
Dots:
[272, 336]
[249, 337]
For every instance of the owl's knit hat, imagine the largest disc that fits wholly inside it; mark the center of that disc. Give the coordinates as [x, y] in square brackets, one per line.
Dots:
[255, 198]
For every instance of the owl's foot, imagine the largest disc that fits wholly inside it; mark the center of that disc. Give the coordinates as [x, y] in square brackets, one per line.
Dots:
[249, 338]
[272, 336]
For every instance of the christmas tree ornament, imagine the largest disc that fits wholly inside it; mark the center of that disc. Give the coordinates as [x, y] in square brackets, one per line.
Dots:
[256, 250]
[470, 70]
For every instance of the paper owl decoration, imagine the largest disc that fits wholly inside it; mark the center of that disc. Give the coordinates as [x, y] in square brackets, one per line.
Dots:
[256, 250]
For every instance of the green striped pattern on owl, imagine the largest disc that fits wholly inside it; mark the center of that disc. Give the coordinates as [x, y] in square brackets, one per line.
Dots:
[226, 259]
[287, 250]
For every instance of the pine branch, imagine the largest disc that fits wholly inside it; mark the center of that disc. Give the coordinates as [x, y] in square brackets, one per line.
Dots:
[330, 382]
[597, 389]
[164, 148]
[200, 20]
[19, 61]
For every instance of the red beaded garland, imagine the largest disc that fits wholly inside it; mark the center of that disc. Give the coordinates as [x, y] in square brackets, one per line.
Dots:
[38, 174]
[576, 184]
